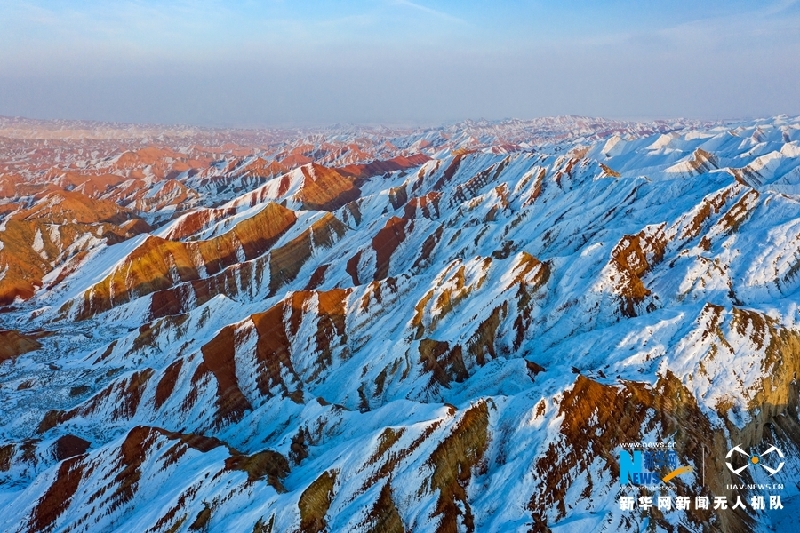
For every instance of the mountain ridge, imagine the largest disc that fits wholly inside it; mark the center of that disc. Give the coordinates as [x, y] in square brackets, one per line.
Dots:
[451, 336]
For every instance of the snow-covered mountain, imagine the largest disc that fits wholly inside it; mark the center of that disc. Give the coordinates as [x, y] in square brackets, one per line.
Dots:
[464, 328]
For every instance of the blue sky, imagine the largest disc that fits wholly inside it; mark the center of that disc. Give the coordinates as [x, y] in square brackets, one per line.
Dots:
[396, 61]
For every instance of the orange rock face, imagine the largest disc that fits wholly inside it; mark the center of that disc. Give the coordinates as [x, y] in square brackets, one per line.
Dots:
[158, 264]
[13, 343]
[385, 243]
[367, 170]
[325, 189]
[54, 233]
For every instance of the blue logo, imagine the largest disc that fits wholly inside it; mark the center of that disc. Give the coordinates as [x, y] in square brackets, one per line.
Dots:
[645, 467]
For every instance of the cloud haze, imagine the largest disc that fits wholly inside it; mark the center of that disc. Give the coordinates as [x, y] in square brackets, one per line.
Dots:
[396, 61]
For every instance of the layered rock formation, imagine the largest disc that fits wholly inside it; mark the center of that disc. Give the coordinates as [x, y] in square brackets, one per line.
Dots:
[454, 329]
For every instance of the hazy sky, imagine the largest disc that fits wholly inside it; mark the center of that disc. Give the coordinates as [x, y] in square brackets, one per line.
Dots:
[396, 61]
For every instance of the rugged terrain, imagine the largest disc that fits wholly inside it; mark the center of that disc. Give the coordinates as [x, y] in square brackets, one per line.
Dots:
[394, 329]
